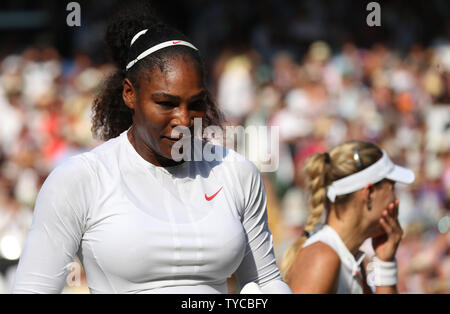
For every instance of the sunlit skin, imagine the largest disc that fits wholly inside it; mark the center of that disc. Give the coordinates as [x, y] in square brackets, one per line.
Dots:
[371, 213]
[163, 101]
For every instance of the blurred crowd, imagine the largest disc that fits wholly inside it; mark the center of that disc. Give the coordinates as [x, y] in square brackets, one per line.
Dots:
[398, 100]
[45, 109]
[320, 93]
[401, 102]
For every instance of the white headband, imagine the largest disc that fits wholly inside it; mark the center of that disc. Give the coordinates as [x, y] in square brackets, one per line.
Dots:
[156, 47]
[135, 37]
[383, 168]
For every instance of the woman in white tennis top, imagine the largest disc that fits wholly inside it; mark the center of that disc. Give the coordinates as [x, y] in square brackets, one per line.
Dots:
[353, 186]
[140, 221]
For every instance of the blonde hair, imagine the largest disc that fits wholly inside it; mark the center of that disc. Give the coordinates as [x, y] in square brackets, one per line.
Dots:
[321, 169]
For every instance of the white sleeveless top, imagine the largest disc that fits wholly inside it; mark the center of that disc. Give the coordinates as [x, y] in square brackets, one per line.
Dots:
[350, 278]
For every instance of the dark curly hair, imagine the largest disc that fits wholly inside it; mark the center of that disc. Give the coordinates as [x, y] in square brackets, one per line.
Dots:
[110, 114]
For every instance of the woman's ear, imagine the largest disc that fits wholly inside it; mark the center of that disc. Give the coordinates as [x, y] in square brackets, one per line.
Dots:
[367, 195]
[129, 94]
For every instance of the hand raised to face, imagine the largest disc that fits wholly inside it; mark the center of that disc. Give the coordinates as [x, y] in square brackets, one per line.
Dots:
[386, 245]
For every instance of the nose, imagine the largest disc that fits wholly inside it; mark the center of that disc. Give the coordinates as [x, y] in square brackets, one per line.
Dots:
[182, 117]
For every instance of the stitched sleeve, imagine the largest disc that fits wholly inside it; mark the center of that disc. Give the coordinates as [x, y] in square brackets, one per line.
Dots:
[259, 263]
[56, 230]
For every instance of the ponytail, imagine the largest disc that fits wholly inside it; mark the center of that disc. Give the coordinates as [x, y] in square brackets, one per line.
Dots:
[315, 169]
[321, 170]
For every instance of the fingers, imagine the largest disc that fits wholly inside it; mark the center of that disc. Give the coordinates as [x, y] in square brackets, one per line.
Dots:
[387, 244]
[393, 208]
[387, 228]
[390, 224]
[391, 221]
[396, 207]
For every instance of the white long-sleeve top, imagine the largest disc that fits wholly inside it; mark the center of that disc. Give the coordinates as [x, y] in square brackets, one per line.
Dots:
[139, 228]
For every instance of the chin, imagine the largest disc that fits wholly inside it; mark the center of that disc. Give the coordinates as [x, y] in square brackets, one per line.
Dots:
[375, 230]
[378, 232]
[168, 157]
[166, 154]
[165, 150]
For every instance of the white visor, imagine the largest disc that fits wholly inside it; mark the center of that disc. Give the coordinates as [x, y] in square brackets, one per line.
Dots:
[383, 168]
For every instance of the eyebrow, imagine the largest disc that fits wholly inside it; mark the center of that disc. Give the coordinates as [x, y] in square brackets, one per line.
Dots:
[177, 98]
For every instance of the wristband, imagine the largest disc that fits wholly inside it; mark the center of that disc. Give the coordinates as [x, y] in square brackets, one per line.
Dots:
[384, 273]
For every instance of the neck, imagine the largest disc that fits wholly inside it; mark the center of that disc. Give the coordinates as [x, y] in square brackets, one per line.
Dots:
[349, 228]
